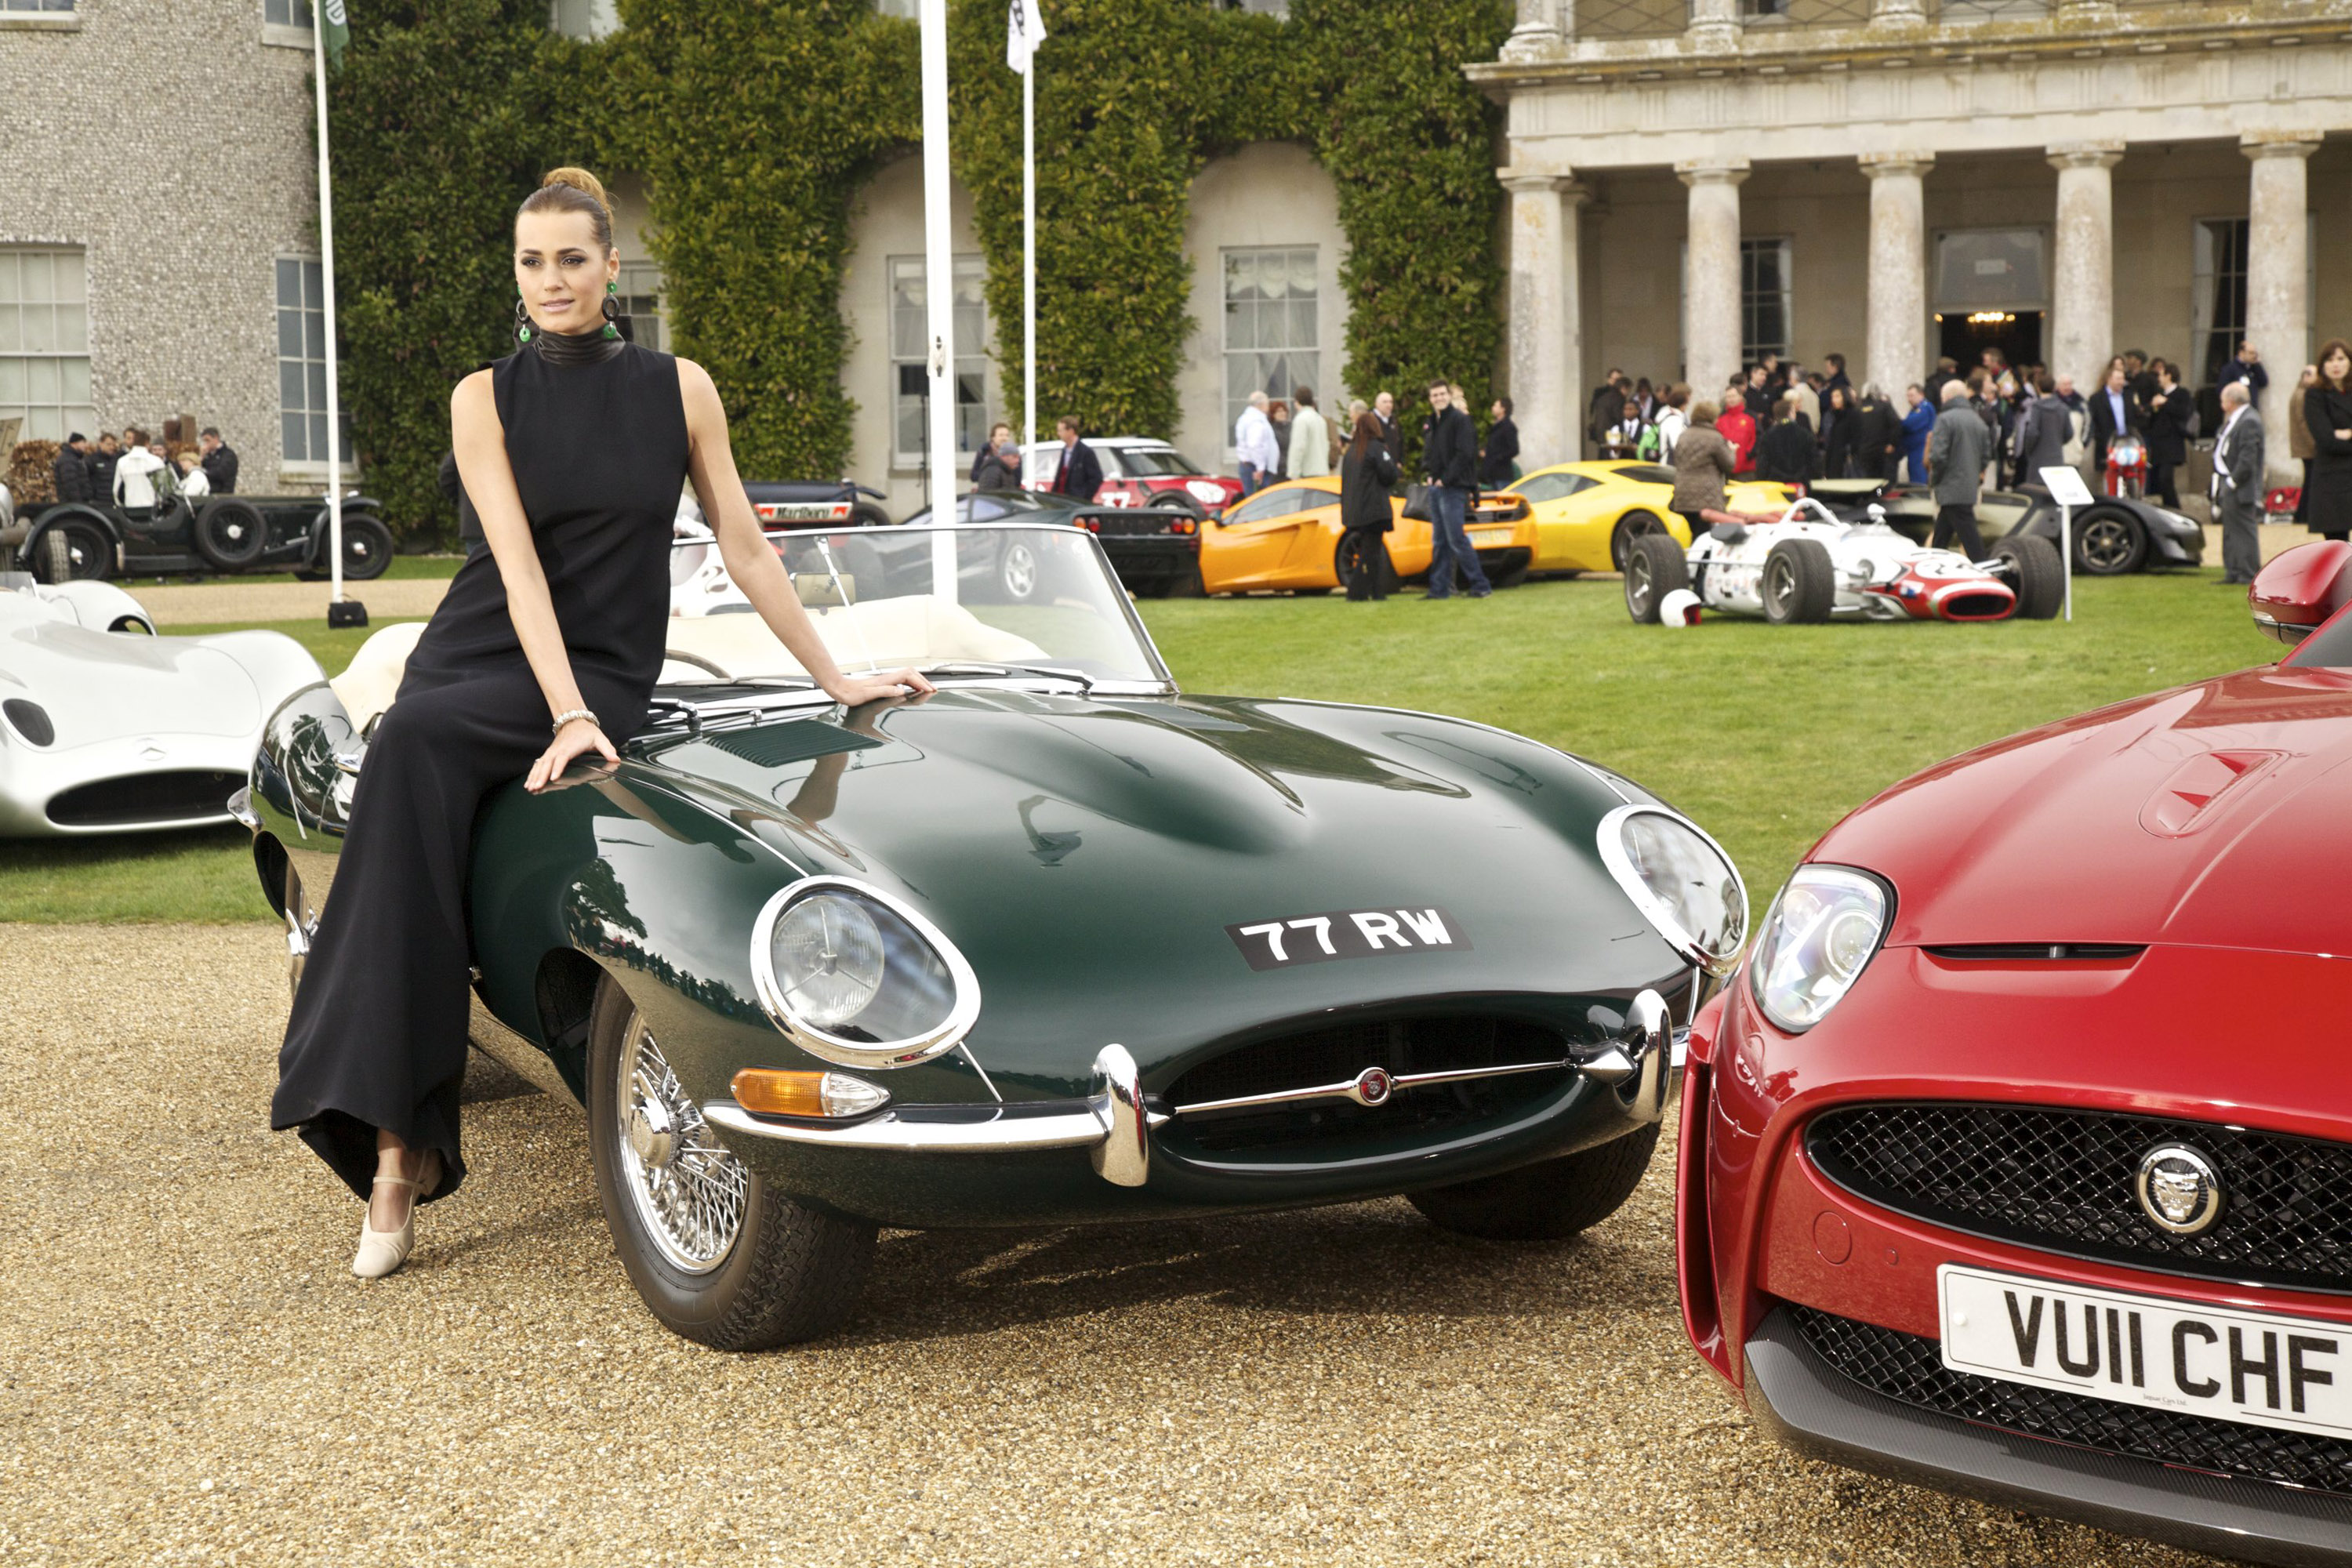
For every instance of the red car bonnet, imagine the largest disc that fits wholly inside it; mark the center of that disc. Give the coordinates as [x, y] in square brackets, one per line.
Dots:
[2210, 815]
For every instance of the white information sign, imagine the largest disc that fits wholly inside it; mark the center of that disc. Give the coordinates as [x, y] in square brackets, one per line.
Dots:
[2067, 486]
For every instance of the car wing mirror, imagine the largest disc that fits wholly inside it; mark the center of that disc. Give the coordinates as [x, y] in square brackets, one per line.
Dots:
[2301, 589]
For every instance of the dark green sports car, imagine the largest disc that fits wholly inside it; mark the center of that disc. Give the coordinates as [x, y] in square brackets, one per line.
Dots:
[1061, 943]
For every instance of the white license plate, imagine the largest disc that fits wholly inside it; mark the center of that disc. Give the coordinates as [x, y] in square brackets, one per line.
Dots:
[1489, 535]
[2261, 1368]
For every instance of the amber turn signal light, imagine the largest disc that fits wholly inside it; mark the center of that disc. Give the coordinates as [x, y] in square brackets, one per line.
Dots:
[773, 1092]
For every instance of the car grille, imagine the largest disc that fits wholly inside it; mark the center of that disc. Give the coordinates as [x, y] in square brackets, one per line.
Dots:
[2063, 1181]
[176, 797]
[1910, 1370]
[1337, 1054]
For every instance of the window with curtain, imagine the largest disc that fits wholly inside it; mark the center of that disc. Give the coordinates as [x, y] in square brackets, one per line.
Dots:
[641, 301]
[302, 363]
[1763, 299]
[44, 344]
[1270, 326]
[910, 361]
[2218, 303]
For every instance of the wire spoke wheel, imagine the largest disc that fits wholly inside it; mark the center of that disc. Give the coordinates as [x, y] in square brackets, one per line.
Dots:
[688, 1191]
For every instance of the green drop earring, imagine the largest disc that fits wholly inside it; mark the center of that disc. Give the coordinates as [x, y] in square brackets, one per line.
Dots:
[612, 308]
[523, 319]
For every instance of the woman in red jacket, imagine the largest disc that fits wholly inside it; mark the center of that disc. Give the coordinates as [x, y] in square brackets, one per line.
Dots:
[1737, 425]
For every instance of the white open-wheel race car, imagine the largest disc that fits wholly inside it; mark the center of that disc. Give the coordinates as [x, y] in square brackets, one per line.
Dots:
[1810, 566]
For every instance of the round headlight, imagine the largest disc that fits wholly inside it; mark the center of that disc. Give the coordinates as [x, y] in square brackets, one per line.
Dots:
[855, 977]
[1821, 931]
[1681, 880]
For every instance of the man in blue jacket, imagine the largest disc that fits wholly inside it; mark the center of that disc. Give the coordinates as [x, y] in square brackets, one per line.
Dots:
[1079, 474]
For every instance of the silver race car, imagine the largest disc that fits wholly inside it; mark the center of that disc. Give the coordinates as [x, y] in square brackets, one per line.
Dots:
[1811, 565]
[107, 728]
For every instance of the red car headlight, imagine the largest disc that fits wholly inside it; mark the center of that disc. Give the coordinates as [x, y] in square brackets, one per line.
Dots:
[1823, 931]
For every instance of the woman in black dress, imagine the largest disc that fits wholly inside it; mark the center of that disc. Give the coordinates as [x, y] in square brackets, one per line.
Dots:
[2328, 415]
[544, 652]
[1368, 477]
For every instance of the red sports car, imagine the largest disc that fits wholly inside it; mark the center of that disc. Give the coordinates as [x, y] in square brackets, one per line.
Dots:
[2017, 1157]
[1139, 471]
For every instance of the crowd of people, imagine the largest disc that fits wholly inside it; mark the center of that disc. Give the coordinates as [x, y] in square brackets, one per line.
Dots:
[139, 472]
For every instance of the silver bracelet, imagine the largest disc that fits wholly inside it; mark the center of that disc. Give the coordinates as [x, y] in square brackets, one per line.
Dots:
[563, 719]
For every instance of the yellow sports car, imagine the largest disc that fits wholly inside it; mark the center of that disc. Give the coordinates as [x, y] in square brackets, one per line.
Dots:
[1587, 514]
[1288, 536]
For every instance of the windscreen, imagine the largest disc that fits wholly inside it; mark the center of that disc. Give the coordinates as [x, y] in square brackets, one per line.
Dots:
[977, 598]
[1156, 462]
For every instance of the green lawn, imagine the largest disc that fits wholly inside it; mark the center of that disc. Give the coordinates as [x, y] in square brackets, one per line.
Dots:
[1766, 735]
[408, 566]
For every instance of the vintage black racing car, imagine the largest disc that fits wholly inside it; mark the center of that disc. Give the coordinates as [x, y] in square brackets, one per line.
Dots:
[1061, 943]
[64, 541]
[2113, 535]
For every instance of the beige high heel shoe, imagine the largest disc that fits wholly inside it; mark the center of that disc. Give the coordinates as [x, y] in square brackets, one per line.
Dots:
[384, 1251]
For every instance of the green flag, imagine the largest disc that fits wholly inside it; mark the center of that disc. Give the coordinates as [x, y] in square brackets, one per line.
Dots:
[338, 33]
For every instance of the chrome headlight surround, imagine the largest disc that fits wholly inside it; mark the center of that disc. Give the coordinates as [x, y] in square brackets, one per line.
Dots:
[824, 1043]
[1831, 894]
[1672, 922]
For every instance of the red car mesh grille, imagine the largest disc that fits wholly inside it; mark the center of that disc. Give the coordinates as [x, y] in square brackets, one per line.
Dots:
[2065, 1181]
[1911, 1371]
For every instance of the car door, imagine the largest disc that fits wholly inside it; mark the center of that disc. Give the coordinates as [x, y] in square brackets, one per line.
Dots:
[1253, 544]
[1547, 495]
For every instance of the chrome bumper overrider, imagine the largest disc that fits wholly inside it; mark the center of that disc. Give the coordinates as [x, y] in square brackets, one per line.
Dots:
[1114, 1124]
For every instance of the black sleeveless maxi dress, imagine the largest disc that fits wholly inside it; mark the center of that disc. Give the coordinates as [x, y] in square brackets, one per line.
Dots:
[377, 1036]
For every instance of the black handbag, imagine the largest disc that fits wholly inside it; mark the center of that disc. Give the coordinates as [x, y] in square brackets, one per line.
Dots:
[1416, 502]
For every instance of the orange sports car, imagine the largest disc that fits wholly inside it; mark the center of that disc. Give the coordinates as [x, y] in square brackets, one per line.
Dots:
[1287, 536]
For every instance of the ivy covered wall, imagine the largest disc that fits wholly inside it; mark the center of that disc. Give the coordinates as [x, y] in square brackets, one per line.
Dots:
[755, 122]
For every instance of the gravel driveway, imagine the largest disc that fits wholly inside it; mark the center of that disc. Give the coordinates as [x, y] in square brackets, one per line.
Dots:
[188, 1372]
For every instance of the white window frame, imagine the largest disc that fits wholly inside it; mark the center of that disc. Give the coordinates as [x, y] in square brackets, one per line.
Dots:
[73, 415]
[972, 358]
[1311, 353]
[40, 15]
[289, 31]
[1753, 349]
[642, 279]
[305, 467]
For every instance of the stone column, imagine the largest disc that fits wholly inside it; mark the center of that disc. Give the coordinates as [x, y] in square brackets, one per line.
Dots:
[1895, 343]
[1547, 341]
[1714, 25]
[1539, 33]
[2278, 296]
[2082, 269]
[1711, 278]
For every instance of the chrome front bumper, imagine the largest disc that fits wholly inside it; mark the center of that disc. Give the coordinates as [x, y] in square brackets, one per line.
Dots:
[1115, 1126]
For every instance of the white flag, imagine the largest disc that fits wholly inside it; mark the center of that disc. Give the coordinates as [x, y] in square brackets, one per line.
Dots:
[1025, 29]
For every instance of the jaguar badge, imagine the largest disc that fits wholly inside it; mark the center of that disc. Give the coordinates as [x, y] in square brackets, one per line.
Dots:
[2179, 1189]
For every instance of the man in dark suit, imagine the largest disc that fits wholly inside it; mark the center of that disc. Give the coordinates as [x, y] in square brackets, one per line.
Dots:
[71, 471]
[2238, 485]
[2114, 412]
[1877, 434]
[1450, 459]
[1079, 475]
[219, 462]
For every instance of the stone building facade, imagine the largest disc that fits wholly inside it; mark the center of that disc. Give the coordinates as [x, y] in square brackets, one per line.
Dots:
[1691, 181]
[158, 225]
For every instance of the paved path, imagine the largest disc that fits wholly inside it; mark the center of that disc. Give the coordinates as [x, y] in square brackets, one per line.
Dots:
[227, 602]
[188, 1373]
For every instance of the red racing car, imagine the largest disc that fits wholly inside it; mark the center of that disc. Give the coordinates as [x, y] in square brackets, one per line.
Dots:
[2017, 1156]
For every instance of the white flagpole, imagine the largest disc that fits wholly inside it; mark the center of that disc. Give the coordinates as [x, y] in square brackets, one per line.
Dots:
[1029, 267]
[327, 273]
[939, 258]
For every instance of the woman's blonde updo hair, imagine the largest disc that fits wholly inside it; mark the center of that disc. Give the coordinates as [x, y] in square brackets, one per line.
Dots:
[571, 190]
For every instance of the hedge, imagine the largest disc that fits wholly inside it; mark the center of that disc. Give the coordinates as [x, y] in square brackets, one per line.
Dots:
[755, 124]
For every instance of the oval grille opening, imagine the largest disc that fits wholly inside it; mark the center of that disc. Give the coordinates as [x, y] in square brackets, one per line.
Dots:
[186, 795]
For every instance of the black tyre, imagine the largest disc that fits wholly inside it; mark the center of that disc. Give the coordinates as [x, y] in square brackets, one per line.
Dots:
[865, 514]
[1511, 576]
[73, 549]
[1655, 567]
[1639, 523]
[1177, 501]
[2108, 542]
[716, 1255]
[1548, 1201]
[367, 548]
[1800, 582]
[230, 533]
[2036, 571]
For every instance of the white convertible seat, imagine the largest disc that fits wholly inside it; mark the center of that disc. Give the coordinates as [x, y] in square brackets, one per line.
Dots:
[366, 688]
[916, 629]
